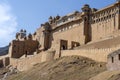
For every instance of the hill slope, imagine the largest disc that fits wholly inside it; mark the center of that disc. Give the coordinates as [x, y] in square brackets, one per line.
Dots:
[107, 75]
[65, 68]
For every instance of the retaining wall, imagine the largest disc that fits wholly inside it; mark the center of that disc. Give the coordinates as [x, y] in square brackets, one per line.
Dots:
[95, 54]
[28, 62]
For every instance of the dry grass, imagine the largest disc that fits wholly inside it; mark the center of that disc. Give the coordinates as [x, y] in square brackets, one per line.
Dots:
[107, 75]
[65, 68]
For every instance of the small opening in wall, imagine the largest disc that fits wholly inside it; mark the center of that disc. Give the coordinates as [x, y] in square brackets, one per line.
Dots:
[119, 56]
[85, 19]
[63, 47]
[26, 53]
[112, 59]
[14, 45]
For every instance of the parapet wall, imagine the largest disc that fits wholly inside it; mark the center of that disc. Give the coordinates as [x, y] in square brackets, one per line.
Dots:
[26, 63]
[95, 54]
[99, 55]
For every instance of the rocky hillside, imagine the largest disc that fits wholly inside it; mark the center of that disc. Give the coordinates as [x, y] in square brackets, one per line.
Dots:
[4, 50]
[65, 68]
[107, 75]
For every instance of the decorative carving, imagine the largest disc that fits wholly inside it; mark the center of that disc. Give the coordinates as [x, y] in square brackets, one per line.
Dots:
[21, 30]
[47, 26]
[86, 5]
[57, 17]
[42, 25]
[54, 20]
[94, 9]
[25, 31]
[29, 36]
[76, 12]
[86, 8]
[50, 17]
[17, 34]
[25, 38]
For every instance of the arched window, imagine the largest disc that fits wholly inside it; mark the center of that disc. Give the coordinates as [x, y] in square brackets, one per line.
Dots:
[119, 56]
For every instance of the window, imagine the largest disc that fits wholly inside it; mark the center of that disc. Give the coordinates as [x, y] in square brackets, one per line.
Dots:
[119, 56]
[113, 15]
[85, 19]
[112, 59]
[99, 19]
[109, 16]
[14, 45]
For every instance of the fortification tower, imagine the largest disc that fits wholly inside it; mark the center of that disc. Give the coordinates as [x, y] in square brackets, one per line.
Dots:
[46, 42]
[118, 12]
[86, 21]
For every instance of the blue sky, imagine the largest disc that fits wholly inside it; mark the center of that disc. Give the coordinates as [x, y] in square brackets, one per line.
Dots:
[29, 14]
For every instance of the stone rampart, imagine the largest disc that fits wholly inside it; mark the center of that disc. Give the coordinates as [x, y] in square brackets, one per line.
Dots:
[28, 62]
[95, 54]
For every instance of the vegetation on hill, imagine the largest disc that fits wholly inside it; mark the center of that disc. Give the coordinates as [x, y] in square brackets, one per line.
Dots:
[4, 50]
[65, 68]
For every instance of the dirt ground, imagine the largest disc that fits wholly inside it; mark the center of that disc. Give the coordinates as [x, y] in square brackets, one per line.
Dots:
[65, 68]
[107, 75]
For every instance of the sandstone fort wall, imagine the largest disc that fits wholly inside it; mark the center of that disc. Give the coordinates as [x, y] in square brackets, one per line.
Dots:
[26, 63]
[105, 22]
[99, 55]
[69, 33]
[95, 54]
[64, 34]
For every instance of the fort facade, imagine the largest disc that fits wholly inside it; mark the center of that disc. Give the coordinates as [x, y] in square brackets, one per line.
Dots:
[67, 32]
[78, 28]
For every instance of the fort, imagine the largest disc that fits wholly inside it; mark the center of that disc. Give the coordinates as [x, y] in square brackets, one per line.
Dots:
[91, 33]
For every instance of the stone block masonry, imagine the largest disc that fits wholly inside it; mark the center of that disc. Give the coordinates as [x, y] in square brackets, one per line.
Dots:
[94, 54]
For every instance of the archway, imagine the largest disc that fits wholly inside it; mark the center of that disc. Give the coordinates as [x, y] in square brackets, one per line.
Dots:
[63, 44]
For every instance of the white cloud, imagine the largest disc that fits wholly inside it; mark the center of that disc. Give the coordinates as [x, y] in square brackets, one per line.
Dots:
[8, 24]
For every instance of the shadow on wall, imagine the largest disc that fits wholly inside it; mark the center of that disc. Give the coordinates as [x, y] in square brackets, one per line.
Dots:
[4, 62]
